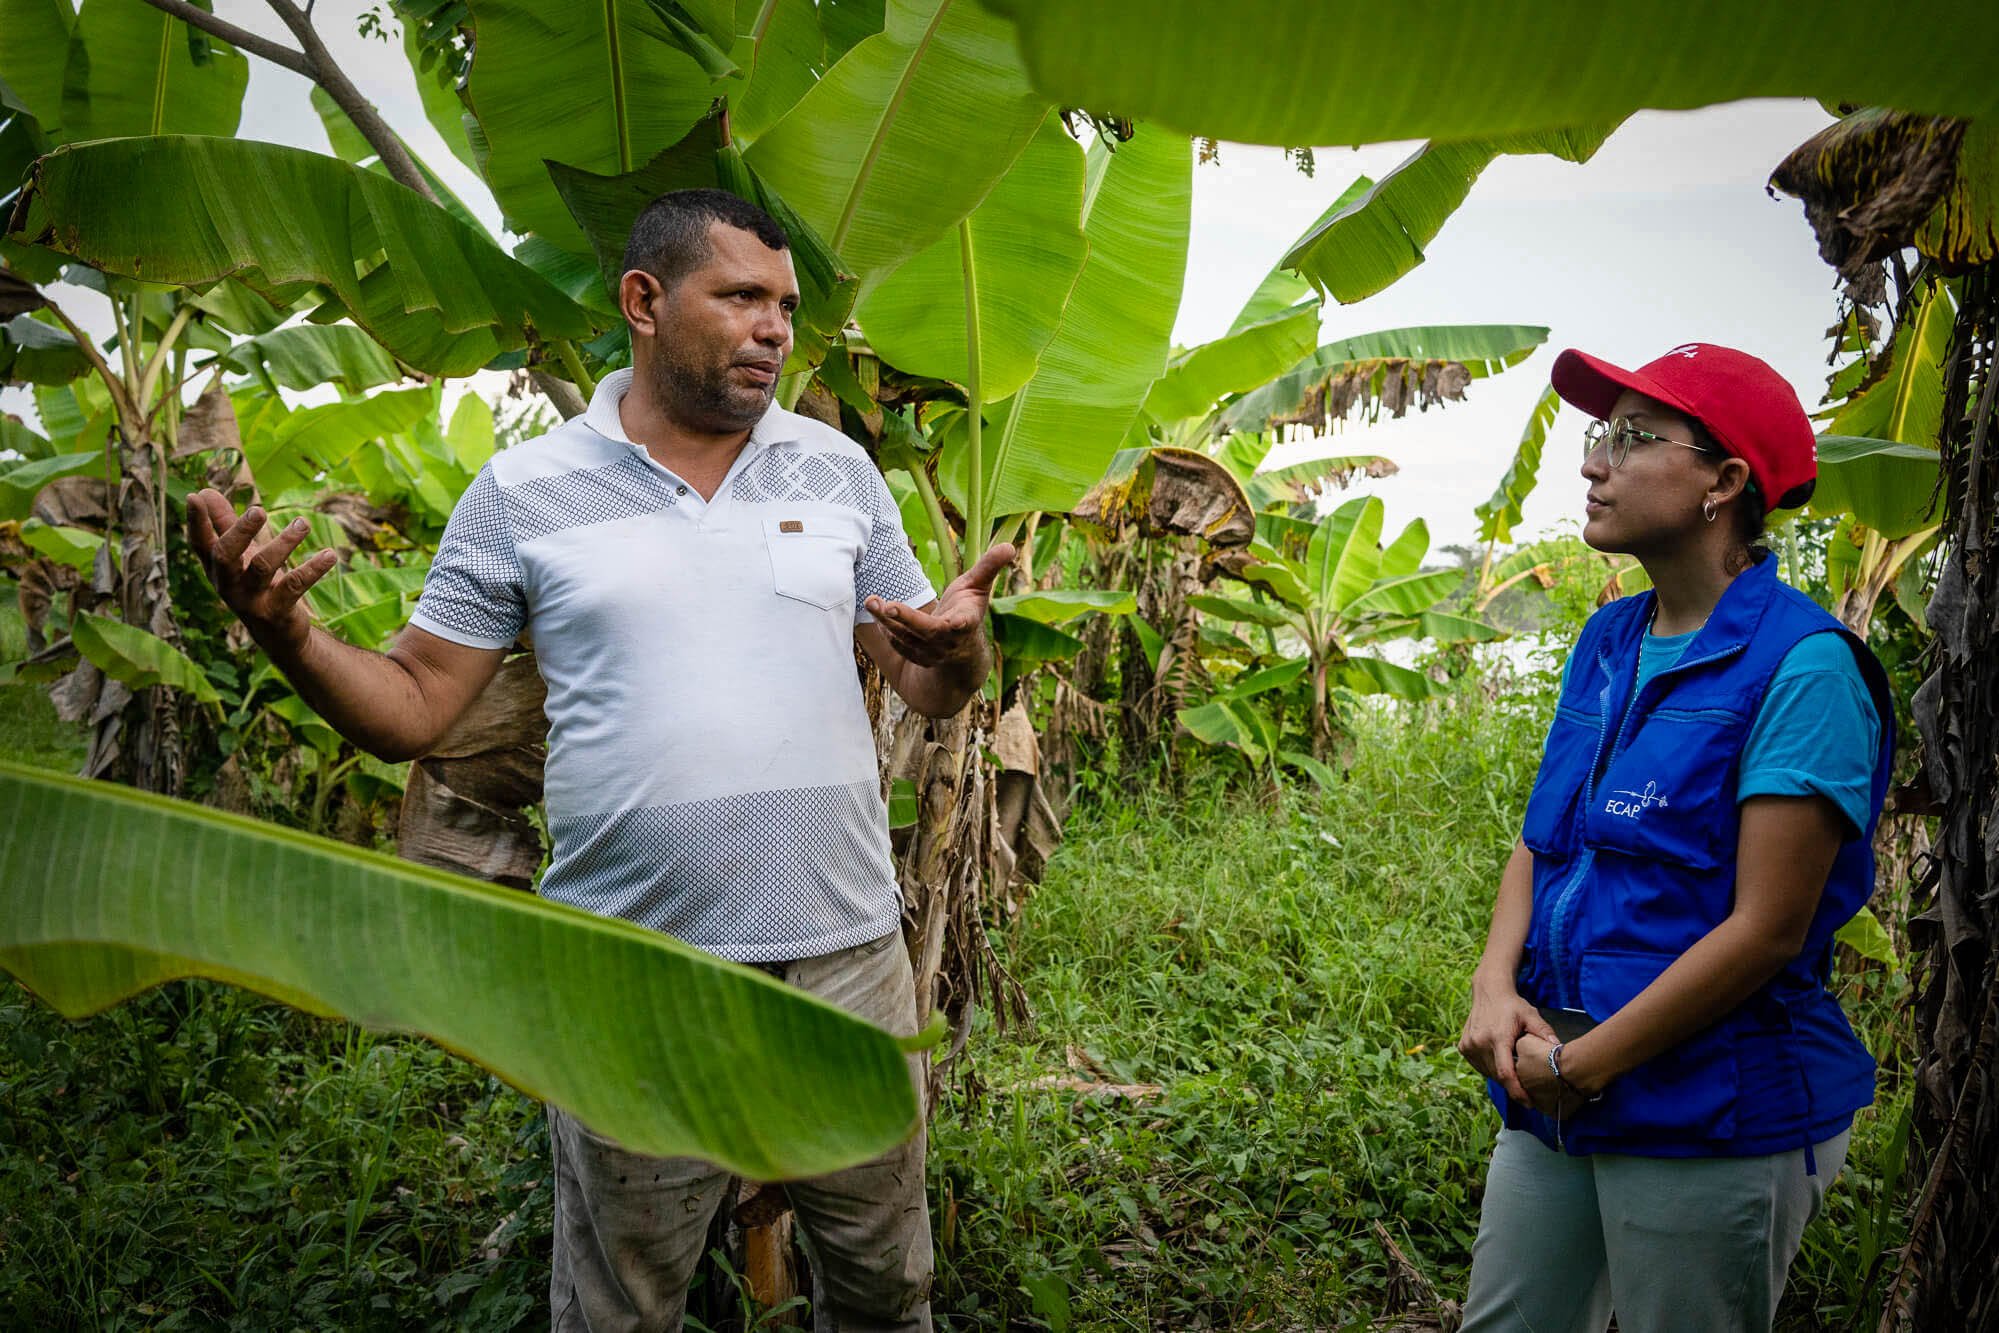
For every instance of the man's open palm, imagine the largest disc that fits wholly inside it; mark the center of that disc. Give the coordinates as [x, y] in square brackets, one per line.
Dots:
[950, 629]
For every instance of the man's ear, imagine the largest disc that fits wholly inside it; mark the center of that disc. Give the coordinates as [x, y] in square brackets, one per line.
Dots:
[639, 295]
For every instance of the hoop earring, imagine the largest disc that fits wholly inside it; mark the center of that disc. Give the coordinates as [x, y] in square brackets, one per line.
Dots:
[1708, 510]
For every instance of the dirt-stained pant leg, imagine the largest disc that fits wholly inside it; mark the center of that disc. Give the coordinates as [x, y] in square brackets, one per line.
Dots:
[630, 1229]
[868, 1228]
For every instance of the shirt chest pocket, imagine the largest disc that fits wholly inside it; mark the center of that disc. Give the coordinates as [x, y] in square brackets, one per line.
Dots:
[812, 558]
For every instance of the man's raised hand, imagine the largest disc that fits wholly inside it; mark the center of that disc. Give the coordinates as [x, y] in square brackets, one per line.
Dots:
[951, 630]
[254, 581]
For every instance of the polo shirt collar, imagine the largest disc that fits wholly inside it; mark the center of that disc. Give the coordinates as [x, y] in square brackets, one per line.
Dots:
[602, 415]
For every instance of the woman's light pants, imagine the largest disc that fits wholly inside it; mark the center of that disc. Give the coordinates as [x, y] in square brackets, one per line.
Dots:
[1700, 1244]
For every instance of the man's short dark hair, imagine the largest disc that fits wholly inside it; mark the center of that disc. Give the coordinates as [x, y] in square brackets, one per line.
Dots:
[669, 239]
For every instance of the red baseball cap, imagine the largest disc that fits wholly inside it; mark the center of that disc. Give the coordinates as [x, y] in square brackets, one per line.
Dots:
[1750, 409]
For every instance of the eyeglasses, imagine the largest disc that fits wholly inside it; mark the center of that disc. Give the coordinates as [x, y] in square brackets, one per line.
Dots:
[1621, 434]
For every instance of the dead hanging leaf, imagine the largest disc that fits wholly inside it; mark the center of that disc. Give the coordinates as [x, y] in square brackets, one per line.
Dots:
[1880, 180]
[366, 525]
[1170, 492]
[209, 425]
[1368, 388]
[464, 806]
[74, 502]
[18, 296]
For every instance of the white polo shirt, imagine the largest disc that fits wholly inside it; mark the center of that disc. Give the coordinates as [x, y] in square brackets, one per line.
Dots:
[711, 771]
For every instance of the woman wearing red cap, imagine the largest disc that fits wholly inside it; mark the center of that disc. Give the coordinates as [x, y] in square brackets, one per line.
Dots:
[1652, 1009]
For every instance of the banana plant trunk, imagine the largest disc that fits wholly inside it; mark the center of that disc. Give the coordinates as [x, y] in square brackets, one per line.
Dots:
[135, 735]
[1942, 1280]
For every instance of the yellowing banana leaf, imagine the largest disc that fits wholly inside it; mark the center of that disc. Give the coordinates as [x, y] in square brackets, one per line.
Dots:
[1300, 71]
[1051, 442]
[905, 134]
[105, 892]
[444, 298]
[1497, 515]
[138, 658]
[1027, 250]
[1381, 235]
[600, 87]
[132, 70]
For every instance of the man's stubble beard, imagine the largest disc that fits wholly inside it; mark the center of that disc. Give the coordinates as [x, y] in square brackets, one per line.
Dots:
[704, 396]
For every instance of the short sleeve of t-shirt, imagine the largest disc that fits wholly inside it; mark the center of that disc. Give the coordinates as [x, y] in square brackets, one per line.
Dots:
[1817, 733]
[888, 568]
[473, 593]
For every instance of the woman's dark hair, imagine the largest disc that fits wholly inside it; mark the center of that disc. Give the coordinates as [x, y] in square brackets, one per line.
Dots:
[1749, 511]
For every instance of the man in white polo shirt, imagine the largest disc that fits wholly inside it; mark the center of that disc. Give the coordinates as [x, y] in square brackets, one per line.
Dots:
[694, 565]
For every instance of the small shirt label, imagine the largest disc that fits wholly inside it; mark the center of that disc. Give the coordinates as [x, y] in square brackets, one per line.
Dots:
[791, 525]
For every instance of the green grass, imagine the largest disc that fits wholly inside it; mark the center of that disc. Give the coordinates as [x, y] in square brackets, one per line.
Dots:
[1291, 975]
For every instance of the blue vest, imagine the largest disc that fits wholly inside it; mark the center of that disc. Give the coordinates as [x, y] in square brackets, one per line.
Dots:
[1633, 826]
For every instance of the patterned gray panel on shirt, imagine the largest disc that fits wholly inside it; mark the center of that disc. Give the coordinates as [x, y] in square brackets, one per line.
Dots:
[755, 877]
[623, 488]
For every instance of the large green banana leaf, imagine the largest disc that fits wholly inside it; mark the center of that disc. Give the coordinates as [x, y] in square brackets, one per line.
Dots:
[1888, 485]
[599, 86]
[350, 145]
[303, 356]
[1498, 514]
[1404, 555]
[1235, 362]
[905, 135]
[1406, 594]
[1053, 439]
[1027, 250]
[32, 352]
[436, 88]
[443, 298]
[1366, 246]
[138, 657]
[33, 56]
[1483, 349]
[105, 892]
[287, 449]
[1344, 557]
[132, 70]
[1292, 71]
[784, 51]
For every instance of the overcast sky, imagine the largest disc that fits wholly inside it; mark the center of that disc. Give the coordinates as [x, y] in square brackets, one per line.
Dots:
[1665, 237]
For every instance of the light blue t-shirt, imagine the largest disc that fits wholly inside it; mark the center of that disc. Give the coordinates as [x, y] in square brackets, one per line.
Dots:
[1816, 733]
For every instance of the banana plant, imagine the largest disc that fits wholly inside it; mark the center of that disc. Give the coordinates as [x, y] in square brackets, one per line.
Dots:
[1348, 591]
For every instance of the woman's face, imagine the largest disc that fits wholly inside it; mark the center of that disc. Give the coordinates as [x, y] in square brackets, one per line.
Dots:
[1652, 501]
